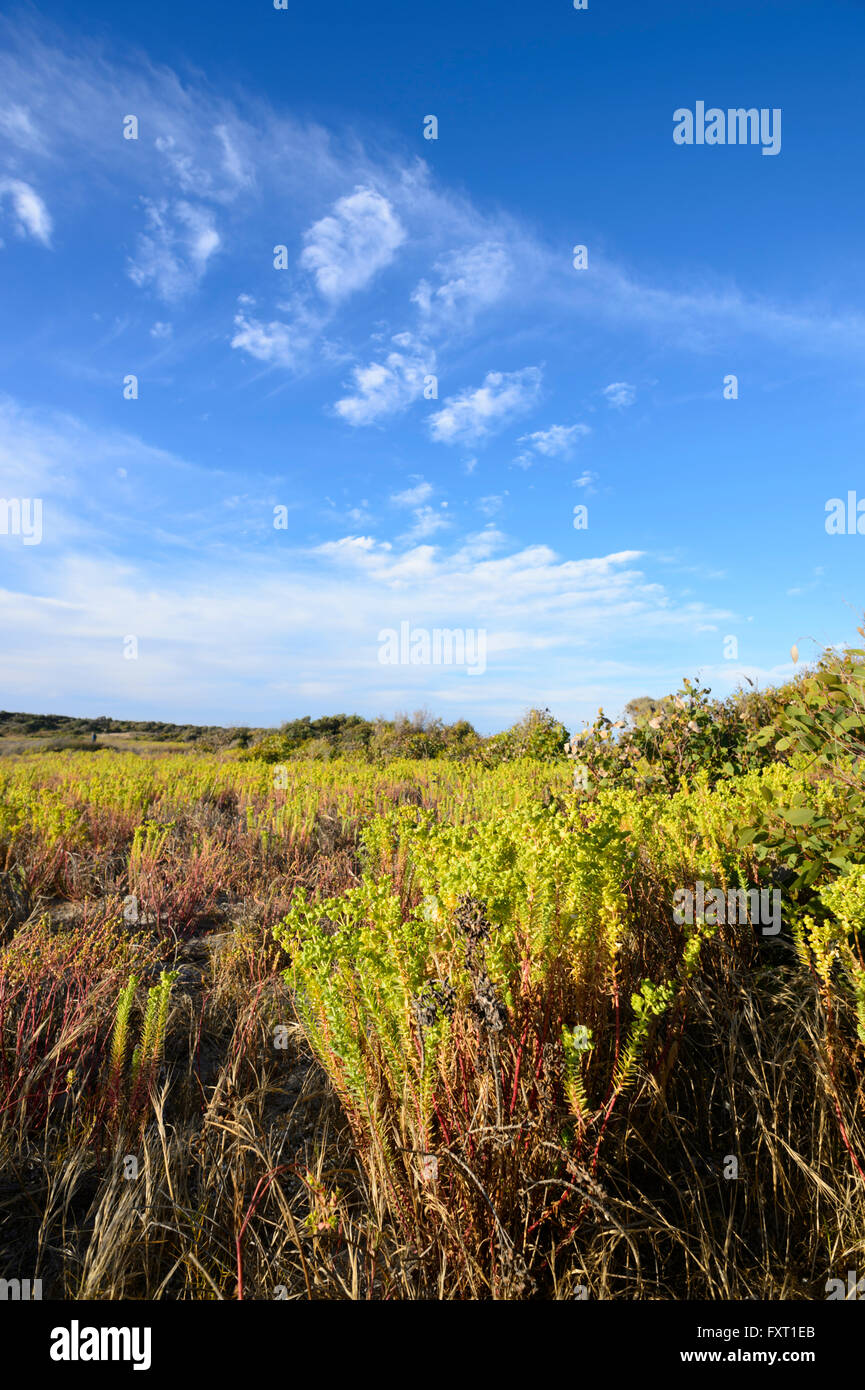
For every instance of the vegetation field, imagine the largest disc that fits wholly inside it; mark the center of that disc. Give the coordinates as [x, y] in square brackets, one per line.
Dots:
[542, 1016]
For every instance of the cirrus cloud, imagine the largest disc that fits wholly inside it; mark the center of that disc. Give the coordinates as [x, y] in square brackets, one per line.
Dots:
[388, 387]
[32, 216]
[620, 394]
[173, 253]
[556, 442]
[471, 279]
[474, 415]
[346, 249]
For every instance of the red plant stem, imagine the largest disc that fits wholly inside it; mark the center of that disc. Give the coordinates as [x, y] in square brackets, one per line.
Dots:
[847, 1144]
[831, 1050]
[518, 1065]
[609, 1111]
[466, 1110]
[440, 1117]
[542, 1036]
[259, 1192]
[618, 1038]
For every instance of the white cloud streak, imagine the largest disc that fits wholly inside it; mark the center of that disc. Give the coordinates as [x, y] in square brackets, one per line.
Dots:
[31, 214]
[475, 415]
[345, 250]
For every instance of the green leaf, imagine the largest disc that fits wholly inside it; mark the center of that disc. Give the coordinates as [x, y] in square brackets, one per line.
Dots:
[807, 877]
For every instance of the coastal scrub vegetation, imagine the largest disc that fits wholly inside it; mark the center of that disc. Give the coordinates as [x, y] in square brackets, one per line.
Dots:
[387, 1009]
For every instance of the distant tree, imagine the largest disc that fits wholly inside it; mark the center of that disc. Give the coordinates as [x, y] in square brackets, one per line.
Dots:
[641, 710]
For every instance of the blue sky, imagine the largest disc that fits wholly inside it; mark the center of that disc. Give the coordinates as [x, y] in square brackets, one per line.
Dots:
[303, 388]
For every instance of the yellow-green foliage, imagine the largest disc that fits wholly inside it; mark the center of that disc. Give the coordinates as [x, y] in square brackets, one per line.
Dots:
[130, 1092]
[146, 1057]
[61, 798]
[484, 959]
[553, 880]
[838, 940]
[120, 1036]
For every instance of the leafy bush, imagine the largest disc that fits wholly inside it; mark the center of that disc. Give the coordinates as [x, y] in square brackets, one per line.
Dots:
[822, 729]
[538, 735]
[486, 1013]
[663, 743]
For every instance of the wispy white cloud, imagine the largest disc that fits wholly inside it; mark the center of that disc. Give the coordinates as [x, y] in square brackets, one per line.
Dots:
[810, 586]
[413, 496]
[490, 505]
[287, 342]
[16, 126]
[480, 545]
[620, 394]
[475, 415]
[471, 279]
[346, 250]
[267, 342]
[172, 255]
[388, 387]
[558, 441]
[31, 214]
[427, 521]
